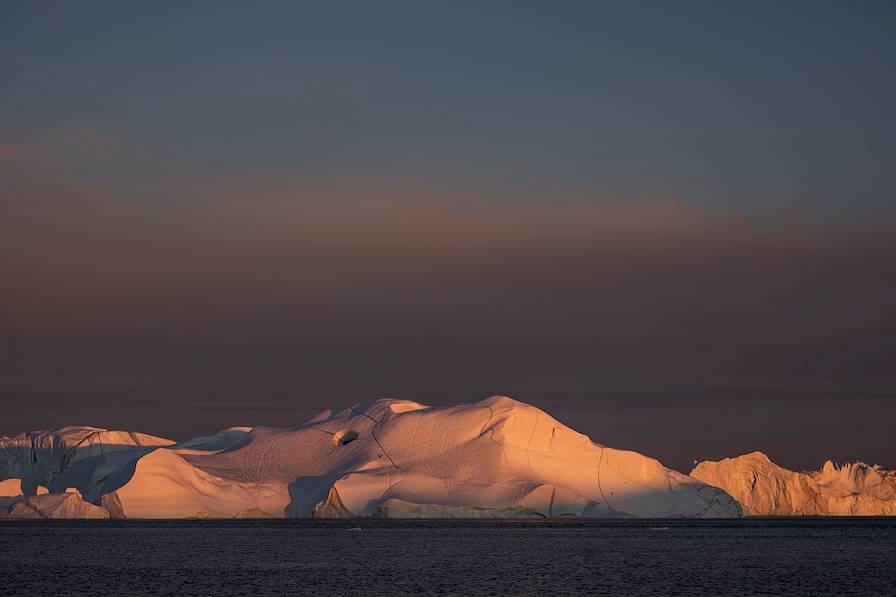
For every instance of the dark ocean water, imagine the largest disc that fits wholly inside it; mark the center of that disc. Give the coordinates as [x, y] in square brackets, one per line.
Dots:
[654, 557]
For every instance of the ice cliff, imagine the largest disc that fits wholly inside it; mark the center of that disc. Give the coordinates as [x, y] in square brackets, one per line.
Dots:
[388, 458]
[55, 505]
[765, 489]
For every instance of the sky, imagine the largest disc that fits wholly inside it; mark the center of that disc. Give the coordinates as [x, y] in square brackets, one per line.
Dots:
[668, 225]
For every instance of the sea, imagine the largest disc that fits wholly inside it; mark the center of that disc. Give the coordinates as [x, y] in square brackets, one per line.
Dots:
[755, 556]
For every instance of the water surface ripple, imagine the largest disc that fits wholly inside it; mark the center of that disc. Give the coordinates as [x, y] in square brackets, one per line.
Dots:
[826, 556]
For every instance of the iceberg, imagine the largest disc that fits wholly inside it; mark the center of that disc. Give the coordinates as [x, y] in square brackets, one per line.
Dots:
[495, 458]
[55, 505]
[765, 489]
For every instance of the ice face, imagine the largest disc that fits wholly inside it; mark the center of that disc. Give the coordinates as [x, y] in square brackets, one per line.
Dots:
[764, 489]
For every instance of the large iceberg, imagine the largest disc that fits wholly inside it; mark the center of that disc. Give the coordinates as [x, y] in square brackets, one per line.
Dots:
[765, 489]
[388, 458]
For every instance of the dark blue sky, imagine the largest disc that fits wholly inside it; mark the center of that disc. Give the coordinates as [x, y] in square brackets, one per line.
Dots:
[654, 207]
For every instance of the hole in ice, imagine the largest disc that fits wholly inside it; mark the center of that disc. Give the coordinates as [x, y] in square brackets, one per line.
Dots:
[340, 438]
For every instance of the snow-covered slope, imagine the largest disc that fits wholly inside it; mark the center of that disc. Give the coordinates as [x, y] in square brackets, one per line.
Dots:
[765, 489]
[387, 458]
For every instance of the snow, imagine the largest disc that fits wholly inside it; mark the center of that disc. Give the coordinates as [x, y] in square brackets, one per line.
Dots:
[388, 458]
[166, 485]
[763, 488]
[223, 440]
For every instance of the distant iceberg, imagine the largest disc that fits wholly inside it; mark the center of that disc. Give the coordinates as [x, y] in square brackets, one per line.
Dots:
[765, 489]
[496, 458]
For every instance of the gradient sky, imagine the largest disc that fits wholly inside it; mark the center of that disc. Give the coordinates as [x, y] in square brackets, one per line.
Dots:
[669, 225]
